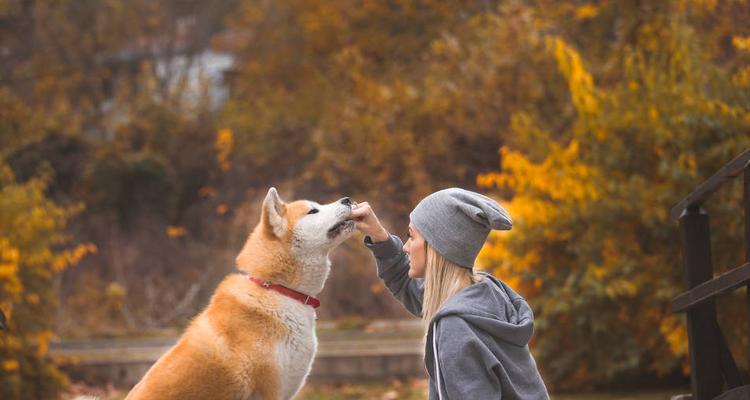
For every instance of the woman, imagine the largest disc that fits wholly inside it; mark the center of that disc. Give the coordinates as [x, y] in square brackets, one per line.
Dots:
[477, 327]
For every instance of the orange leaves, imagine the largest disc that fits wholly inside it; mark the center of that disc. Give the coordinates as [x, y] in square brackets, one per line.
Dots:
[377, 288]
[176, 231]
[9, 257]
[207, 192]
[222, 209]
[10, 365]
[71, 257]
[223, 146]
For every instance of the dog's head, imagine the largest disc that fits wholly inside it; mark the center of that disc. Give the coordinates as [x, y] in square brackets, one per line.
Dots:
[308, 226]
[291, 242]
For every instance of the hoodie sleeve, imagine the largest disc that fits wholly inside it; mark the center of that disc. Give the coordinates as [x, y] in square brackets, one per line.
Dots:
[393, 268]
[465, 365]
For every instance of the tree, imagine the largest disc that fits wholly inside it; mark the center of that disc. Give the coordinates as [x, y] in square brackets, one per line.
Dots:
[593, 247]
[32, 233]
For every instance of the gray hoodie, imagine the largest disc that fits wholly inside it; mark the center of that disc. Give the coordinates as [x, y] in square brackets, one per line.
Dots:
[477, 344]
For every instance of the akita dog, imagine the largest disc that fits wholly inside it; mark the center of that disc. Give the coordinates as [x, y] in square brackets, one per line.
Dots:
[256, 338]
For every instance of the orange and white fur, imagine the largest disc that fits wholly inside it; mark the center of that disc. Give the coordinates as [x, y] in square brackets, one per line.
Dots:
[251, 342]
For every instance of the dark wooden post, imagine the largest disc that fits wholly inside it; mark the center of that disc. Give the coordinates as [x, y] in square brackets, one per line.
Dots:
[746, 198]
[705, 374]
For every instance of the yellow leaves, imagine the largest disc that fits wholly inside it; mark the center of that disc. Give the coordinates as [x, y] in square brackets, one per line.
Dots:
[115, 290]
[586, 11]
[447, 45]
[620, 287]
[560, 177]
[115, 295]
[580, 82]
[741, 43]
[8, 253]
[541, 189]
[489, 179]
[692, 164]
[742, 77]
[673, 330]
[707, 5]
[597, 272]
[176, 231]
[321, 16]
[223, 146]
[8, 271]
[653, 113]
[43, 339]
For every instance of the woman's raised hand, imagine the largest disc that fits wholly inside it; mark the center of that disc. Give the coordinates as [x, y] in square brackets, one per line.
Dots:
[367, 222]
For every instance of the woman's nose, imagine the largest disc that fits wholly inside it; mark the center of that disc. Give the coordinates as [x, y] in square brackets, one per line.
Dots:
[346, 201]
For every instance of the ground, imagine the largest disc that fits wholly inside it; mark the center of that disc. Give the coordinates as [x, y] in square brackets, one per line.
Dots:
[402, 390]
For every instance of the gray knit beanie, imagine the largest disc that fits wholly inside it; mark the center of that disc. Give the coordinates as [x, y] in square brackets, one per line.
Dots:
[456, 222]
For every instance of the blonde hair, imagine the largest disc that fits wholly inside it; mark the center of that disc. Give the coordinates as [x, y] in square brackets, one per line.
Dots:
[443, 279]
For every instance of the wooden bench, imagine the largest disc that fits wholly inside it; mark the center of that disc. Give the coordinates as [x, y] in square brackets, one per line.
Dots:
[711, 362]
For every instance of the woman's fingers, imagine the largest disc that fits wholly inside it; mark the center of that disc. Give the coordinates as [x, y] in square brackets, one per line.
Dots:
[367, 222]
[361, 212]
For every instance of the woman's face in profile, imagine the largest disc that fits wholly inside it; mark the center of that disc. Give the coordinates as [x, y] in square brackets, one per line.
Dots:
[417, 251]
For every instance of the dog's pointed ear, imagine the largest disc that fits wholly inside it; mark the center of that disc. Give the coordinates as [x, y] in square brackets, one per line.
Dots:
[272, 215]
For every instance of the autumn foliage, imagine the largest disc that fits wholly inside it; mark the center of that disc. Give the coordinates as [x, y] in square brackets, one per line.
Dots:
[128, 187]
[32, 231]
[593, 246]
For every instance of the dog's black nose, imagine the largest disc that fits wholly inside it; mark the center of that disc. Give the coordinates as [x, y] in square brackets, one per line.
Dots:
[346, 201]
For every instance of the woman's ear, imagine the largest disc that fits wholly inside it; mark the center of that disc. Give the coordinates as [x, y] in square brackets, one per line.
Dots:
[272, 214]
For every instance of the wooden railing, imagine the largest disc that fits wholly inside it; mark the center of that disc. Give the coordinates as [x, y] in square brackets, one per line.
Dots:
[711, 362]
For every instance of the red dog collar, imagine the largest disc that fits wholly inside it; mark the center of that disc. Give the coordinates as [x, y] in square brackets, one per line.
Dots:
[301, 297]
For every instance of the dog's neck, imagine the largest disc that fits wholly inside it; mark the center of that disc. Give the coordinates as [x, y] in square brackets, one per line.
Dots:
[314, 270]
[302, 270]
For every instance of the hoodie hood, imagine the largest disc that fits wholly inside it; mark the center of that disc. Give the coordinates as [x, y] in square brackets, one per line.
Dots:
[491, 306]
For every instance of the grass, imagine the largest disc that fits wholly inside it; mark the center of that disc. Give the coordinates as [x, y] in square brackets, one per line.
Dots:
[417, 389]
[414, 389]
[650, 395]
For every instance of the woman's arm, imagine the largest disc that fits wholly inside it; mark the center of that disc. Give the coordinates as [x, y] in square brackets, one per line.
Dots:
[393, 268]
[391, 260]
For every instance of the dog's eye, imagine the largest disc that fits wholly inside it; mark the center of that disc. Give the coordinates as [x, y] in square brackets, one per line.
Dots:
[313, 211]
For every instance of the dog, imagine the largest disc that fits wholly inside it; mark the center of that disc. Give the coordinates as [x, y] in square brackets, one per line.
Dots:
[256, 338]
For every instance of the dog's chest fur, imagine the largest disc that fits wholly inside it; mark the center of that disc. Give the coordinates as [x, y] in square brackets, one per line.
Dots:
[295, 354]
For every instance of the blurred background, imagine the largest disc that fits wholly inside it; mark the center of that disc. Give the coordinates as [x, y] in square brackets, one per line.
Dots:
[138, 138]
